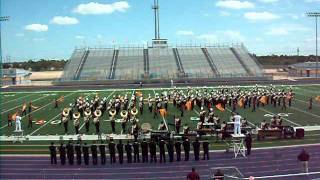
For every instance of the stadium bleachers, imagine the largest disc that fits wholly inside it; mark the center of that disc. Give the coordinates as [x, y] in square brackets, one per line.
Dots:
[136, 63]
[97, 65]
[130, 64]
[226, 62]
[162, 63]
[195, 63]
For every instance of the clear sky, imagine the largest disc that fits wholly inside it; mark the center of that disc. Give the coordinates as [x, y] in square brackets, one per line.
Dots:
[53, 28]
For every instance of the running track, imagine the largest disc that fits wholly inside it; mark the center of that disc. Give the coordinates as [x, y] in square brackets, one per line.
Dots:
[264, 162]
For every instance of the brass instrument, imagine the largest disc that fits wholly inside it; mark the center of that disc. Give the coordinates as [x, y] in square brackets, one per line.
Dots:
[134, 111]
[124, 114]
[112, 112]
[97, 113]
[65, 114]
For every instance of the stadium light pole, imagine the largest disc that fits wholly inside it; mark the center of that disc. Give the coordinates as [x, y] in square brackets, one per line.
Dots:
[2, 18]
[315, 15]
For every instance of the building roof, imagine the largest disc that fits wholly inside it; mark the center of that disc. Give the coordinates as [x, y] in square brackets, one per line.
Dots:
[13, 72]
[305, 65]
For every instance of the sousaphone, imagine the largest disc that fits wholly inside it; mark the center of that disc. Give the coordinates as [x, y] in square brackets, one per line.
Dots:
[112, 112]
[97, 113]
[65, 112]
[134, 111]
[124, 114]
[87, 112]
[76, 115]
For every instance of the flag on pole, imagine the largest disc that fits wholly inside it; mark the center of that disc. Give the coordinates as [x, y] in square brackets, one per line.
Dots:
[163, 112]
[241, 102]
[14, 116]
[61, 99]
[219, 107]
[139, 93]
[24, 107]
[189, 105]
[263, 100]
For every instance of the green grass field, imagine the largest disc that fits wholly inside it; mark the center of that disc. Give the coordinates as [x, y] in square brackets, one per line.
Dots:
[297, 115]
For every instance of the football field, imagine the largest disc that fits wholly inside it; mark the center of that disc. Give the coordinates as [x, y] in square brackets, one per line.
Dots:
[297, 115]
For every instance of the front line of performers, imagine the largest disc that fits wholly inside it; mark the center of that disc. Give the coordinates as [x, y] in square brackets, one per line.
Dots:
[132, 151]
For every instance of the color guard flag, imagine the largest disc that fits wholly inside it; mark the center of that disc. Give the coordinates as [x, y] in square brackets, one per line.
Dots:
[317, 98]
[219, 106]
[163, 112]
[189, 105]
[241, 102]
[24, 107]
[61, 99]
[40, 122]
[139, 93]
[14, 115]
[263, 100]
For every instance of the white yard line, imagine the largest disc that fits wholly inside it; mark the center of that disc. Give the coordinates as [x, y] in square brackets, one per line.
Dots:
[311, 114]
[22, 103]
[260, 108]
[15, 99]
[39, 108]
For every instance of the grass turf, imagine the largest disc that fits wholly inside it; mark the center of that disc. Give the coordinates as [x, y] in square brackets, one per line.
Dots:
[297, 115]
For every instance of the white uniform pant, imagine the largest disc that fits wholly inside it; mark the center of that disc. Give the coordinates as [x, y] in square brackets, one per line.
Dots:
[237, 129]
[18, 126]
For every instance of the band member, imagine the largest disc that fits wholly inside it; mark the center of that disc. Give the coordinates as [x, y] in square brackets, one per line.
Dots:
[162, 126]
[310, 103]
[56, 103]
[70, 153]
[102, 149]
[86, 119]
[77, 148]
[177, 123]
[64, 119]
[237, 123]
[264, 125]
[162, 151]
[24, 110]
[186, 129]
[170, 150]
[153, 151]
[128, 148]
[177, 146]
[85, 150]
[29, 121]
[136, 152]
[76, 121]
[30, 107]
[113, 124]
[248, 141]
[205, 145]
[135, 130]
[62, 150]
[18, 122]
[96, 120]
[9, 120]
[144, 150]
[112, 151]
[196, 149]
[53, 153]
[94, 153]
[284, 105]
[186, 147]
[120, 151]
[150, 105]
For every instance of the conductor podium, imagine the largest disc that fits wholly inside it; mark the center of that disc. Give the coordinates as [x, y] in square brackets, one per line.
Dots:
[18, 136]
[237, 145]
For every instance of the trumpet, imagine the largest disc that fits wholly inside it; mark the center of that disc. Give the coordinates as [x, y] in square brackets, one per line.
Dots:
[112, 112]
[124, 114]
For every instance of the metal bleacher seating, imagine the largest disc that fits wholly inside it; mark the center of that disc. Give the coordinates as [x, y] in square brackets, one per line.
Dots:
[194, 62]
[73, 64]
[97, 65]
[226, 62]
[162, 63]
[130, 64]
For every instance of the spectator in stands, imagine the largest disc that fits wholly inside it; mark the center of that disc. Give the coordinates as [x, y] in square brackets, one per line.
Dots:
[304, 157]
[193, 175]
